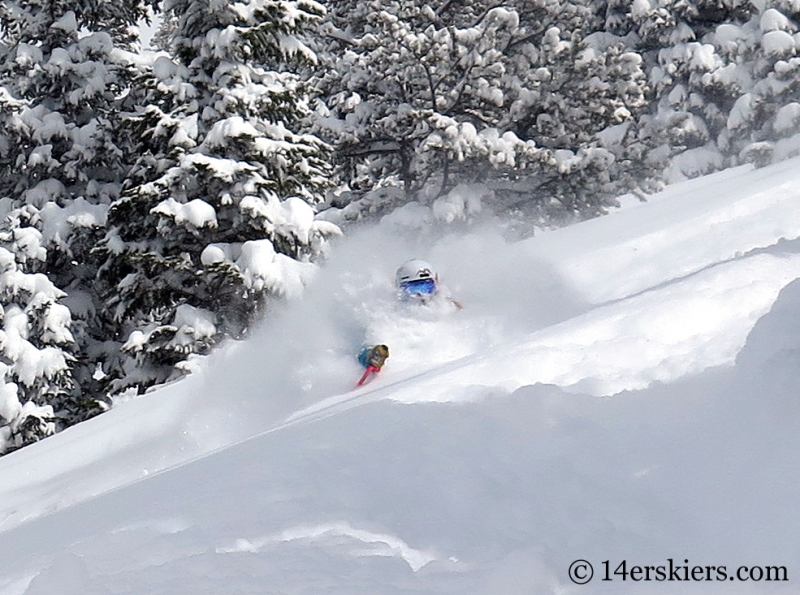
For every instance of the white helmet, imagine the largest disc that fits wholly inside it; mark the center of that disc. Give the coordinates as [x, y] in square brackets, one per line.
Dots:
[414, 270]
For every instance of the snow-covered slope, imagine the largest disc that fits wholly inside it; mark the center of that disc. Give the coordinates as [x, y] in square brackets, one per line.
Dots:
[481, 461]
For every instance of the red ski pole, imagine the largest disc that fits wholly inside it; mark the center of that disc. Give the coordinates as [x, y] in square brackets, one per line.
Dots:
[369, 371]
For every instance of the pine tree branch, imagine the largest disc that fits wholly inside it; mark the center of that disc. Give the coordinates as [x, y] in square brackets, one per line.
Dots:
[373, 147]
[487, 11]
[431, 85]
[339, 35]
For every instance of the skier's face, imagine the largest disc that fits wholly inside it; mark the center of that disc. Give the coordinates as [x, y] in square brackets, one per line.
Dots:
[418, 288]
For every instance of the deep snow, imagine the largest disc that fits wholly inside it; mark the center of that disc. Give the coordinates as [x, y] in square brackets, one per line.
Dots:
[482, 459]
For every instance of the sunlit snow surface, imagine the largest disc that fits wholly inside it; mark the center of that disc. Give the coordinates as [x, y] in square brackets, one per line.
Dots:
[481, 460]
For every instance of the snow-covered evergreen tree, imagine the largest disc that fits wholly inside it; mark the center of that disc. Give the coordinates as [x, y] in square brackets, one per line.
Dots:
[764, 122]
[577, 92]
[423, 96]
[724, 76]
[217, 212]
[63, 69]
[61, 75]
[38, 392]
[697, 70]
[414, 96]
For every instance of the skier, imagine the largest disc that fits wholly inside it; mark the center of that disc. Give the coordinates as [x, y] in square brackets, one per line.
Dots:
[417, 281]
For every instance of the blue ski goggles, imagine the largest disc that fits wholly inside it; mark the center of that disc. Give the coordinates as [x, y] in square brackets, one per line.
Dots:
[418, 287]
